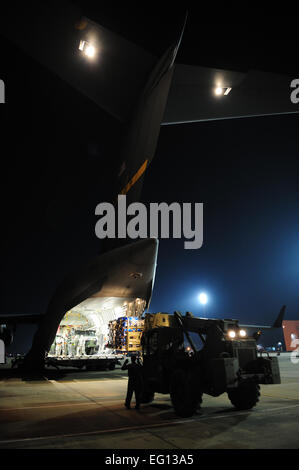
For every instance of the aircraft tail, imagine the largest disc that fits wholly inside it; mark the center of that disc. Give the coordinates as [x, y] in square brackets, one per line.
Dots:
[144, 126]
[280, 317]
[277, 323]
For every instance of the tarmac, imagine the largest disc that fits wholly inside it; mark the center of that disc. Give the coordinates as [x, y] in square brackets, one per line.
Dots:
[85, 410]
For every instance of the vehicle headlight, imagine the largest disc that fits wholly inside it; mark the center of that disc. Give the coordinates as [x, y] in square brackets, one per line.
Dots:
[87, 48]
[242, 333]
[231, 334]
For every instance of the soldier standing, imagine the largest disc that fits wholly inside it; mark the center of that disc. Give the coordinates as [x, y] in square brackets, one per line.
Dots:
[135, 381]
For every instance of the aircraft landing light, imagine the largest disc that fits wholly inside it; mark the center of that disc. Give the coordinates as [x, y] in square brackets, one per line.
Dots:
[227, 91]
[220, 91]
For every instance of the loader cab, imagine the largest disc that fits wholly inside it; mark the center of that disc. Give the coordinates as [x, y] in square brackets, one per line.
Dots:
[161, 349]
[160, 341]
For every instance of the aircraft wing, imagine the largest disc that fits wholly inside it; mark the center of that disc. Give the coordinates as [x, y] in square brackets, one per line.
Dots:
[50, 32]
[123, 79]
[192, 95]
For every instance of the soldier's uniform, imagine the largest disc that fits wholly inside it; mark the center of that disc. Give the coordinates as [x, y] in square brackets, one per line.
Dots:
[134, 383]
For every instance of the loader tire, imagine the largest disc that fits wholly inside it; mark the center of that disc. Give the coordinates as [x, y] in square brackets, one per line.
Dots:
[184, 393]
[245, 396]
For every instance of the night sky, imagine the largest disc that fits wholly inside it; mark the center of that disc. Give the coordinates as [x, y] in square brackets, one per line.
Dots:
[57, 148]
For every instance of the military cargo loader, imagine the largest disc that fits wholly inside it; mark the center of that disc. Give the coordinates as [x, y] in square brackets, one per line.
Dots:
[221, 358]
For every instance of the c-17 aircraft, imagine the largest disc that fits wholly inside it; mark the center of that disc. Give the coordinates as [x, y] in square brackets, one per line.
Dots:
[142, 92]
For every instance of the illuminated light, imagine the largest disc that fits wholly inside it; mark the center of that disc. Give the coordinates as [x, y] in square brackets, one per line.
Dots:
[232, 334]
[218, 91]
[81, 45]
[88, 49]
[222, 90]
[242, 333]
[227, 91]
[107, 305]
[203, 298]
[118, 311]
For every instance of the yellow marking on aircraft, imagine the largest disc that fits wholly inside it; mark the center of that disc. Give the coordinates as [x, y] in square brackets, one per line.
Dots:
[135, 178]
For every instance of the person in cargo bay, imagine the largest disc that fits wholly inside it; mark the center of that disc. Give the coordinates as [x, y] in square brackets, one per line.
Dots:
[135, 381]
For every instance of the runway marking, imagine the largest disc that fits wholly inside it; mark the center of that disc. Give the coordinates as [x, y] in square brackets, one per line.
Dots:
[278, 409]
[90, 403]
[252, 412]
[142, 427]
[279, 396]
[47, 406]
[100, 431]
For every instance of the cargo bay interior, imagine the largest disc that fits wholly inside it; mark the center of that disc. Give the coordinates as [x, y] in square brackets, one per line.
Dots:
[98, 326]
